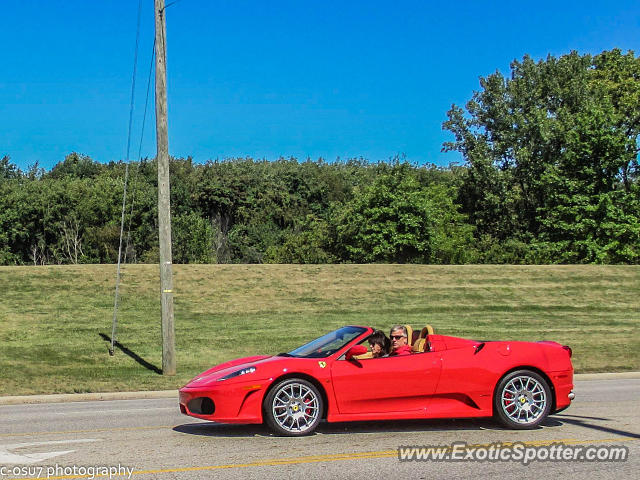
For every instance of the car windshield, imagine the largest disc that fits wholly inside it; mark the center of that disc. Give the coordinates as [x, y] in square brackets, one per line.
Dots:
[327, 344]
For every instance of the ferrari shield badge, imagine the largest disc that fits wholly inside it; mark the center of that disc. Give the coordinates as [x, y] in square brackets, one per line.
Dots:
[322, 364]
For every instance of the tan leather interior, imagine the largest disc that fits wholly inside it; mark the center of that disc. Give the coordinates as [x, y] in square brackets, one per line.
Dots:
[409, 334]
[422, 342]
[364, 356]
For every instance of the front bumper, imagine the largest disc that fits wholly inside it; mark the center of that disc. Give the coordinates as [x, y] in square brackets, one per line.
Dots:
[230, 403]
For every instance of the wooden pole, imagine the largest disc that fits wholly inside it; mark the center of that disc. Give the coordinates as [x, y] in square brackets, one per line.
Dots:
[164, 205]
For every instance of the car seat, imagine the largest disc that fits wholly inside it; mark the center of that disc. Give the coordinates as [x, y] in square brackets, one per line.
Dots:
[410, 337]
[422, 344]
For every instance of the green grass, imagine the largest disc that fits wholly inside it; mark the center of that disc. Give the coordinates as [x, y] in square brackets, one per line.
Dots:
[51, 318]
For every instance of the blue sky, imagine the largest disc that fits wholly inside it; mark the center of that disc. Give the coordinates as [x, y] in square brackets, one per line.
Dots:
[268, 79]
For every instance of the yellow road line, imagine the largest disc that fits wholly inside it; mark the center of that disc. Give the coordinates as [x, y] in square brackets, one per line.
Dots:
[340, 457]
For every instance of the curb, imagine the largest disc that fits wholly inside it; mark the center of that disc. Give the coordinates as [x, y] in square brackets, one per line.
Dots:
[106, 396]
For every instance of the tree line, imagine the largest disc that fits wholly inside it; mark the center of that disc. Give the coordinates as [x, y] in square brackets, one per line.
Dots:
[550, 175]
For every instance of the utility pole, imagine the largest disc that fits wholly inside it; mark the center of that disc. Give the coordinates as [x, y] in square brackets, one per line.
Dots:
[164, 203]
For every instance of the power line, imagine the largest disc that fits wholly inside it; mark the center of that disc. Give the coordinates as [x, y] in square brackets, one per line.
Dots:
[146, 102]
[144, 118]
[172, 3]
[126, 178]
[133, 78]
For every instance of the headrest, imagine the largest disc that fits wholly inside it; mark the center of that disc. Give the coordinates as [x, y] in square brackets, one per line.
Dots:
[422, 343]
[427, 330]
[409, 334]
[419, 345]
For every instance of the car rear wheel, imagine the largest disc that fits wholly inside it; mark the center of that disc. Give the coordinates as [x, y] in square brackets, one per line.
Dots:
[293, 407]
[522, 400]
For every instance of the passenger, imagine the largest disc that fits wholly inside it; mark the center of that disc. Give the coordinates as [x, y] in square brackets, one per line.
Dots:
[379, 344]
[399, 341]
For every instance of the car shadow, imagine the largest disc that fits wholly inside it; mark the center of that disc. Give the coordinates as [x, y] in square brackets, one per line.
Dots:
[406, 426]
[585, 422]
[212, 429]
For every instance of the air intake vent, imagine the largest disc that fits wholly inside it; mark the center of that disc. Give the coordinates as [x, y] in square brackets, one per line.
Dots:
[201, 406]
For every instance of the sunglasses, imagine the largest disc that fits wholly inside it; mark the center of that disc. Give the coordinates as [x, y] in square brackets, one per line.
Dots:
[397, 337]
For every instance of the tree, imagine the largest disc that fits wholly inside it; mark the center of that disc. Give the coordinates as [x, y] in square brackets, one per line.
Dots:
[396, 219]
[309, 242]
[76, 165]
[192, 239]
[553, 156]
[8, 170]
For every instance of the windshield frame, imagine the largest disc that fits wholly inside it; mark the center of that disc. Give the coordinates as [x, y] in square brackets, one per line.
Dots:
[329, 343]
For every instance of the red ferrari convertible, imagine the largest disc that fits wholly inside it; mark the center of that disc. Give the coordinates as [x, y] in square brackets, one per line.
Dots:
[334, 377]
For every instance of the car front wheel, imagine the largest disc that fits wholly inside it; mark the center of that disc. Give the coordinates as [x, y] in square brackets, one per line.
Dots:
[293, 407]
[522, 400]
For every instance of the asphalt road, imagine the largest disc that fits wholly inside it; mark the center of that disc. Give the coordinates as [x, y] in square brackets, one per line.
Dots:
[156, 441]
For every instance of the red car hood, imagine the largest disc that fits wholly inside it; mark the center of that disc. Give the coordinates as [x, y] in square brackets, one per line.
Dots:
[214, 373]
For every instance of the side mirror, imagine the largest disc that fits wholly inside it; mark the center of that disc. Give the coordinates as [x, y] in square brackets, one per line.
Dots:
[356, 350]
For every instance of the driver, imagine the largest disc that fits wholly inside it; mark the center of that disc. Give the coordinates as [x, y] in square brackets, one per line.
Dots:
[399, 341]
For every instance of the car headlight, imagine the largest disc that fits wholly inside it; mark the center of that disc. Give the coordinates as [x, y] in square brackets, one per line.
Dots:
[237, 373]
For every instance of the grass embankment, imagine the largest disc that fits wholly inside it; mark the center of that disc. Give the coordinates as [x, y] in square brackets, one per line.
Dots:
[52, 318]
